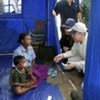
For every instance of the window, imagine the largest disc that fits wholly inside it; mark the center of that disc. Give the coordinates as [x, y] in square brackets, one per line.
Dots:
[10, 6]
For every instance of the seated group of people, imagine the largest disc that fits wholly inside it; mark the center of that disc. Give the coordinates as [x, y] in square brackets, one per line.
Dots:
[77, 53]
[26, 74]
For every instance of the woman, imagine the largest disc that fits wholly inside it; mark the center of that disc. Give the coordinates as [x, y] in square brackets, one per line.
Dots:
[26, 50]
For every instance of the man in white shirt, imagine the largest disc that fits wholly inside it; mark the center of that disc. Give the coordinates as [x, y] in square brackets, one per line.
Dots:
[79, 34]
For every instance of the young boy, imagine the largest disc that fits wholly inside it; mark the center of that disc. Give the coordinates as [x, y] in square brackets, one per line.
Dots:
[20, 78]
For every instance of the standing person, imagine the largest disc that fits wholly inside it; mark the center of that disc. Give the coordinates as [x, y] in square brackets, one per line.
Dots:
[79, 34]
[21, 80]
[66, 9]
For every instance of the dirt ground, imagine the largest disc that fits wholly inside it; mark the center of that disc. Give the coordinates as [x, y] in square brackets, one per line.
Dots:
[68, 81]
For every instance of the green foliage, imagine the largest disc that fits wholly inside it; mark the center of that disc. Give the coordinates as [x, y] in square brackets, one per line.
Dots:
[85, 11]
[1, 7]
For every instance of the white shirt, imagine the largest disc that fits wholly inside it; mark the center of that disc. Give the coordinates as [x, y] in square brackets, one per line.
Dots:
[78, 49]
[13, 6]
[29, 55]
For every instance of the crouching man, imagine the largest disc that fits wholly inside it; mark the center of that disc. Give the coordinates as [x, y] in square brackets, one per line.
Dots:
[79, 34]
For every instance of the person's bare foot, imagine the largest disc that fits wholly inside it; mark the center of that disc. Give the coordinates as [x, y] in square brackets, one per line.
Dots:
[34, 86]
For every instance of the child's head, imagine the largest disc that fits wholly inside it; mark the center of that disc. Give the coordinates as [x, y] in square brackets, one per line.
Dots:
[25, 39]
[19, 61]
[40, 25]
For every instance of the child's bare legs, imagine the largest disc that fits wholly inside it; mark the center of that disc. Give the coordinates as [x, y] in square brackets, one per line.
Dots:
[20, 90]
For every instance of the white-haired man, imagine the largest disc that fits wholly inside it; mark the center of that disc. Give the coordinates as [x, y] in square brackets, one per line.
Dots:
[79, 34]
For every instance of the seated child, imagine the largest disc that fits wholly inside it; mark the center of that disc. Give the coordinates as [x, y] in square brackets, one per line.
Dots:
[21, 79]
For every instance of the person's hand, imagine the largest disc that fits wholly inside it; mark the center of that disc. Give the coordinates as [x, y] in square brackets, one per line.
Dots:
[58, 58]
[65, 49]
[54, 13]
[28, 84]
[16, 83]
[33, 78]
[69, 66]
[30, 71]
[33, 63]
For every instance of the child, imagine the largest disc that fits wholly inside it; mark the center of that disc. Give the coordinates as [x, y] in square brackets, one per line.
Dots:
[20, 78]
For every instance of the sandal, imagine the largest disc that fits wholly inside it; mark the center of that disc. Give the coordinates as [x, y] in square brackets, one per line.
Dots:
[50, 70]
[54, 73]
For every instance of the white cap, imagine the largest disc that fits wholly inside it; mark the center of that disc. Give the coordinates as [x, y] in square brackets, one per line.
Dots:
[79, 27]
